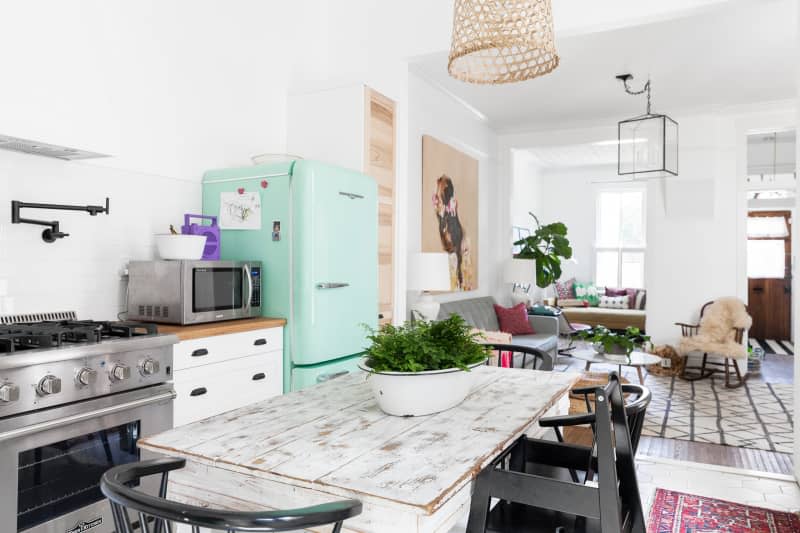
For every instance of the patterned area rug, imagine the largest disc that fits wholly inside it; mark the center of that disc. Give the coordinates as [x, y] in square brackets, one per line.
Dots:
[757, 415]
[676, 512]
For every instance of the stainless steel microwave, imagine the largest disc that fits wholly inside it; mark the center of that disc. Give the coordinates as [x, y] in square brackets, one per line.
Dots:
[193, 292]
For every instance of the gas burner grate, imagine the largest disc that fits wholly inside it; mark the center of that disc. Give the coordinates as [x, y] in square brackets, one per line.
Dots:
[44, 334]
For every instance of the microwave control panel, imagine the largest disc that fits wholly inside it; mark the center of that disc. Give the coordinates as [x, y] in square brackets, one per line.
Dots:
[255, 297]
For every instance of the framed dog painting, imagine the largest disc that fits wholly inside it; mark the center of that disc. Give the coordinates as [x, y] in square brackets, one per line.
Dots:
[450, 210]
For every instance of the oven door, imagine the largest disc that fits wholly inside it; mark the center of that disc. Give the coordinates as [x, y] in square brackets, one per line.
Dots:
[218, 290]
[51, 461]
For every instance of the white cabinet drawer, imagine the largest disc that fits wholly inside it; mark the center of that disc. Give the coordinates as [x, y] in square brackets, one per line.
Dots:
[213, 389]
[208, 350]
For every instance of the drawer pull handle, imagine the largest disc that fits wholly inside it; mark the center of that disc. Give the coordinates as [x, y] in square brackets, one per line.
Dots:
[199, 353]
[259, 376]
[199, 391]
[260, 342]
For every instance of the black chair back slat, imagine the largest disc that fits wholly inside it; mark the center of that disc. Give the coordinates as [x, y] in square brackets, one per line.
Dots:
[541, 360]
[115, 486]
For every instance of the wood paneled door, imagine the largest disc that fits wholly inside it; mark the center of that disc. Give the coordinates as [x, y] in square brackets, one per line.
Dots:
[769, 292]
[379, 162]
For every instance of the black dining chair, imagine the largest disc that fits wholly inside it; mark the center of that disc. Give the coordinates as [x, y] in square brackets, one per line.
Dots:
[521, 356]
[637, 398]
[157, 514]
[532, 498]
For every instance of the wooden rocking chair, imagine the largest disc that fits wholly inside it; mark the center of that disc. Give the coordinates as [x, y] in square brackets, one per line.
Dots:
[708, 368]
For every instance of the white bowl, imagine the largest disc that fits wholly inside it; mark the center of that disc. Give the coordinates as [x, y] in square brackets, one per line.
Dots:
[180, 246]
[420, 393]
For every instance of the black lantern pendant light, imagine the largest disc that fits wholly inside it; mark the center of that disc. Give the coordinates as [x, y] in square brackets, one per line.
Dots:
[647, 144]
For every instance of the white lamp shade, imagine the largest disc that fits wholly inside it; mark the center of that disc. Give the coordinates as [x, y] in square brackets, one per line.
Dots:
[429, 272]
[520, 271]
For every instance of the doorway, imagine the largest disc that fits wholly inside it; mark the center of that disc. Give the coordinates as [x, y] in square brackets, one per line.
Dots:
[769, 278]
[771, 197]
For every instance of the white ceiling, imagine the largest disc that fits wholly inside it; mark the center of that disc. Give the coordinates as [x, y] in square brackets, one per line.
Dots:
[730, 53]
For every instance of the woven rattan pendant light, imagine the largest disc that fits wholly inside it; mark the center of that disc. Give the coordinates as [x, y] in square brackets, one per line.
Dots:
[502, 41]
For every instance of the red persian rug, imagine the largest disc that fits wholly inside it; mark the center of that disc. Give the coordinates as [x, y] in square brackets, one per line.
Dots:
[676, 512]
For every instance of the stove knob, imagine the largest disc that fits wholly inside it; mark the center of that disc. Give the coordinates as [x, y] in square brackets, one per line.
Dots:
[120, 372]
[49, 385]
[86, 376]
[9, 392]
[149, 367]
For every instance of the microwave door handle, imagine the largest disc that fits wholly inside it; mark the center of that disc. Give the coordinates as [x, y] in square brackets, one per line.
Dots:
[249, 278]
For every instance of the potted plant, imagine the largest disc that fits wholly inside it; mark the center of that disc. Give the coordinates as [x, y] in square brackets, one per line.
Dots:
[422, 367]
[548, 245]
[615, 346]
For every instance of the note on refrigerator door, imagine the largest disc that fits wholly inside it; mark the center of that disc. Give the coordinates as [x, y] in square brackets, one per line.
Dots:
[240, 210]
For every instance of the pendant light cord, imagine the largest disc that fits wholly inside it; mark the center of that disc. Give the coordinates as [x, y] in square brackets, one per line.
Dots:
[645, 89]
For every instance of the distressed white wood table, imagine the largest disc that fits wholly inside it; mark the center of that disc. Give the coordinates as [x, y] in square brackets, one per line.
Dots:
[330, 442]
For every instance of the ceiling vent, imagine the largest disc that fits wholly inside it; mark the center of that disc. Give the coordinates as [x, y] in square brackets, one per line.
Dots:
[48, 150]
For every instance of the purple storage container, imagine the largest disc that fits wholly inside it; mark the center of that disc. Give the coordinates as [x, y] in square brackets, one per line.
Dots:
[211, 251]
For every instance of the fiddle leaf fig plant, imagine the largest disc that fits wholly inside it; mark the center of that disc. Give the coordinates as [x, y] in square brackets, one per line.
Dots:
[548, 246]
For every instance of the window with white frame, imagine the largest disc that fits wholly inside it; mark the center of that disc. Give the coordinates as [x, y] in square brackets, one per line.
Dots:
[620, 238]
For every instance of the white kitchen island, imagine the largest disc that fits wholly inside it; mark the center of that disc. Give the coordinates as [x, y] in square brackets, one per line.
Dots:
[413, 474]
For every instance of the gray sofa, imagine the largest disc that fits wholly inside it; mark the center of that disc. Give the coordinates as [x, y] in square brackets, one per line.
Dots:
[479, 313]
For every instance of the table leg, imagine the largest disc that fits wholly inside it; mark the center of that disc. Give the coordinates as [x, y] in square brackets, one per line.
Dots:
[641, 378]
[588, 366]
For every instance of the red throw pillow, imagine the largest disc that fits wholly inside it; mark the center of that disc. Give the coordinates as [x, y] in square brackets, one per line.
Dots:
[514, 320]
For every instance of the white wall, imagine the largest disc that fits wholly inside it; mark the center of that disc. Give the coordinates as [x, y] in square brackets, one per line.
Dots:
[796, 286]
[167, 88]
[568, 196]
[432, 112]
[82, 272]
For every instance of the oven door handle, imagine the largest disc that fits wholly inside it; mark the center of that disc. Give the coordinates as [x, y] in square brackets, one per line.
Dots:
[80, 417]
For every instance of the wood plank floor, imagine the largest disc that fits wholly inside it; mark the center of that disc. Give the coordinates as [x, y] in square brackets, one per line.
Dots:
[716, 454]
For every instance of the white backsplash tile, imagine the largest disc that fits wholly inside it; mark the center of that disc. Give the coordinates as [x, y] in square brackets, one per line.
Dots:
[82, 272]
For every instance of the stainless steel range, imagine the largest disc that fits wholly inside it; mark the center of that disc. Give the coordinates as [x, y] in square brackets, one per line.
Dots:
[75, 397]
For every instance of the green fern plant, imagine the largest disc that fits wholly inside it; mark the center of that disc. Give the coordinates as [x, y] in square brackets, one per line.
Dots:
[419, 346]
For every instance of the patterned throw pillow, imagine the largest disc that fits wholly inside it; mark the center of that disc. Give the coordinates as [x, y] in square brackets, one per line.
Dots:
[565, 290]
[614, 302]
[630, 293]
[588, 292]
[641, 299]
[514, 320]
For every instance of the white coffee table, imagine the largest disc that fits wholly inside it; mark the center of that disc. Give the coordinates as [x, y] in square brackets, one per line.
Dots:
[637, 360]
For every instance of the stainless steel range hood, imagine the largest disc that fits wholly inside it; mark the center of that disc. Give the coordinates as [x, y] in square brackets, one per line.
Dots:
[28, 146]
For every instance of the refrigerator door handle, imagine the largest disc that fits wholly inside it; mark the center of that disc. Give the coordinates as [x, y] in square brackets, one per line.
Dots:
[322, 378]
[332, 285]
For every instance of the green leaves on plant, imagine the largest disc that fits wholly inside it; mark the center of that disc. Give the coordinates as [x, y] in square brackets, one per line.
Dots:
[548, 245]
[628, 340]
[419, 346]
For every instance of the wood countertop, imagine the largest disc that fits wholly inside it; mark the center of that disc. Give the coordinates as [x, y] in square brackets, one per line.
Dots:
[213, 329]
[332, 441]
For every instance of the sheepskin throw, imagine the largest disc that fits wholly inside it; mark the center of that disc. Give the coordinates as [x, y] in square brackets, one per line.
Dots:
[717, 333]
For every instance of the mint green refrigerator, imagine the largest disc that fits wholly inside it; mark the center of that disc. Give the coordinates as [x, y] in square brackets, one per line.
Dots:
[318, 242]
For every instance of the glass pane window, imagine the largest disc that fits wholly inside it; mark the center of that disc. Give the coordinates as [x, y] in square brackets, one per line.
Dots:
[620, 238]
[607, 271]
[766, 259]
[632, 270]
[620, 219]
[767, 227]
